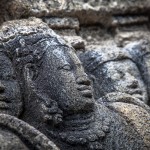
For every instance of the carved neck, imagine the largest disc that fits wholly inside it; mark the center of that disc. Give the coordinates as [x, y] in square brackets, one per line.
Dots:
[81, 129]
[78, 122]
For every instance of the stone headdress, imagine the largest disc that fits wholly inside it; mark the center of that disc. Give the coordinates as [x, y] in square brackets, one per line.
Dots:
[11, 29]
[24, 42]
[95, 58]
[140, 52]
[14, 37]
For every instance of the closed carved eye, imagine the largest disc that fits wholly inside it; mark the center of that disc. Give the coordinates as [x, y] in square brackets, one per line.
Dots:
[10, 77]
[66, 67]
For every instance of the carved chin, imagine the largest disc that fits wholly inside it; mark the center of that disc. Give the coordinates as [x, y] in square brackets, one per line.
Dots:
[86, 132]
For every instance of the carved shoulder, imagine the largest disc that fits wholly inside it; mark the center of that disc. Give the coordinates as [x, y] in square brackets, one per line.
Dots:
[135, 113]
[19, 135]
[9, 140]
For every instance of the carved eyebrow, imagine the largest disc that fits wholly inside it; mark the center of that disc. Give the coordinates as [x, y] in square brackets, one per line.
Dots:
[61, 66]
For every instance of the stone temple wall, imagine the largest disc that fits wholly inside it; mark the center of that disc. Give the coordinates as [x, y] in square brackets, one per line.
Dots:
[86, 23]
[112, 119]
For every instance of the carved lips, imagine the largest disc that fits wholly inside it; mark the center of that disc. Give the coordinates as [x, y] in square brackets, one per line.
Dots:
[136, 93]
[4, 102]
[85, 90]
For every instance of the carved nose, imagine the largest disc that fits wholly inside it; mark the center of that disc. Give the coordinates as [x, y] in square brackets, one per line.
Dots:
[83, 80]
[133, 84]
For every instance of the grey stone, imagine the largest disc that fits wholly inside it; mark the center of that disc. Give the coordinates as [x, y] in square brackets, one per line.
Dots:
[121, 21]
[57, 94]
[116, 68]
[75, 41]
[140, 51]
[118, 21]
[114, 74]
[16, 134]
[62, 23]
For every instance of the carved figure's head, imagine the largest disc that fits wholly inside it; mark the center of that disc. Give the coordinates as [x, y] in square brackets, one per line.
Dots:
[140, 52]
[47, 69]
[113, 70]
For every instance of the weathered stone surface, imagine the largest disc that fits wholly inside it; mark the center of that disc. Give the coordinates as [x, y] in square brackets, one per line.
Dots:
[66, 32]
[95, 35]
[125, 37]
[118, 82]
[47, 93]
[140, 51]
[62, 23]
[86, 12]
[120, 21]
[57, 94]
[16, 134]
[110, 14]
[114, 67]
[75, 41]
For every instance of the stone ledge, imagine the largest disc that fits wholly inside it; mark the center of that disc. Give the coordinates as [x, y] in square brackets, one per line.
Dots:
[62, 23]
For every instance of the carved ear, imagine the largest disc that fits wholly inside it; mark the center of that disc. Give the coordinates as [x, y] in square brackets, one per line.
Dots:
[30, 72]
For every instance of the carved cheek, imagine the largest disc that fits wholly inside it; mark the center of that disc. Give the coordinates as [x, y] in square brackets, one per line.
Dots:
[67, 77]
[116, 77]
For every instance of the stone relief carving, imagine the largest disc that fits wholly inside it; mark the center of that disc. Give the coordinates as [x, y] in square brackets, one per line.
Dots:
[140, 53]
[15, 133]
[53, 96]
[114, 70]
[117, 81]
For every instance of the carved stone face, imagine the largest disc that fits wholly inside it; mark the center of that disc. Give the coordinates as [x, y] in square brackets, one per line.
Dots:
[10, 97]
[121, 76]
[62, 78]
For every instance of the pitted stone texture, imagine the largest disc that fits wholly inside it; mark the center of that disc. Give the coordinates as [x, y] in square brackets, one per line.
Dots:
[120, 6]
[112, 71]
[126, 35]
[140, 51]
[66, 32]
[112, 16]
[116, 68]
[135, 116]
[75, 41]
[62, 23]
[16, 134]
[87, 13]
[57, 94]
[129, 20]
[13, 9]
[95, 35]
